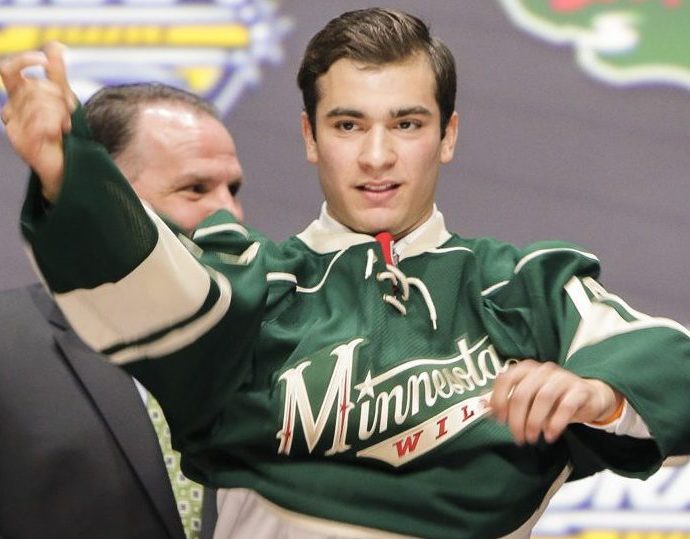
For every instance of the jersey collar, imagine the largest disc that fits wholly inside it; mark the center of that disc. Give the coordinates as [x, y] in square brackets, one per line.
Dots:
[327, 235]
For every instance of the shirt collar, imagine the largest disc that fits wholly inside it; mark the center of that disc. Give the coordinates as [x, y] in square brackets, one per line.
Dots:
[326, 235]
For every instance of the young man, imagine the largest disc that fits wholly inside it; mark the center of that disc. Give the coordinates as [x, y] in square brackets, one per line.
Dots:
[365, 378]
[80, 458]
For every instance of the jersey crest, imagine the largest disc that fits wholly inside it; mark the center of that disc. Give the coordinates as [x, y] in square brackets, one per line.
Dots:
[622, 42]
[393, 416]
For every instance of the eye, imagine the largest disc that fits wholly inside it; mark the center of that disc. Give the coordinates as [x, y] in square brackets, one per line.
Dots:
[346, 125]
[409, 125]
[197, 188]
[234, 188]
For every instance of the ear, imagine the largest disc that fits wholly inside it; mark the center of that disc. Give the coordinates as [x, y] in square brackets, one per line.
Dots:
[448, 142]
[309, 140]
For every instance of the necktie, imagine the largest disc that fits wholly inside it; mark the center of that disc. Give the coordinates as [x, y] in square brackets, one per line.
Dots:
[188, 494]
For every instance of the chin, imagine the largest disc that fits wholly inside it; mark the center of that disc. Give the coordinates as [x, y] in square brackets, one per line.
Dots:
[366, 224]
[374, 226]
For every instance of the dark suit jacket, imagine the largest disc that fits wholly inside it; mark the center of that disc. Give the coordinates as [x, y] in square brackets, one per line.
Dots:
[78, 455]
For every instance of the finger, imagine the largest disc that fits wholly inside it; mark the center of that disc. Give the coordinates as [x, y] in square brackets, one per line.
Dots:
[540, 411]
[533, 399]
[57, 72]
[11, 69]
[553, 385]
[505, 385]
[563, 415]
[521, 403]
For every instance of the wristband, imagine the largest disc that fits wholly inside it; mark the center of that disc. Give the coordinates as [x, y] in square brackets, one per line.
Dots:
[614, 415]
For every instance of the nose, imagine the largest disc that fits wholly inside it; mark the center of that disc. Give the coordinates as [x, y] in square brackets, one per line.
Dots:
[378, 150]
[225, 200]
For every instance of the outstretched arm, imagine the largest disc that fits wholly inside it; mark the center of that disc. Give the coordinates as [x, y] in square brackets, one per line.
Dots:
[37, 113]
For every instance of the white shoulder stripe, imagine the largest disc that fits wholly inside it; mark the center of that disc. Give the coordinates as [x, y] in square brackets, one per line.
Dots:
[281, 276]
[289, 277]
[185, 335]
[441, 250]
[494, 287]
[323, 279]
[141, 303]
[542, 252]
[215, 229]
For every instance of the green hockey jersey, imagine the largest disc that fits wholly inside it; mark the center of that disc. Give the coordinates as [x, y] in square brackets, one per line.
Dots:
[342, 387]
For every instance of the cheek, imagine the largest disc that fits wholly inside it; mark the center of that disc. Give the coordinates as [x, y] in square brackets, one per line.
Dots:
[181, 212]
[422, 162]
[426, 153]
[144, 193]
[336, 173]
[336, 156]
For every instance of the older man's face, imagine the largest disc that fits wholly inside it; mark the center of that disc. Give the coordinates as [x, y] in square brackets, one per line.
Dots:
[183, 163]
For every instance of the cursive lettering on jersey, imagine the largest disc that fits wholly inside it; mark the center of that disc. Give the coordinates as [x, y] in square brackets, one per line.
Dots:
[400, 413]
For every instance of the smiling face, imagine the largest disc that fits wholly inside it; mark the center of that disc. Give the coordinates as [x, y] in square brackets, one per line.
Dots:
[378, 147]
[184, 163]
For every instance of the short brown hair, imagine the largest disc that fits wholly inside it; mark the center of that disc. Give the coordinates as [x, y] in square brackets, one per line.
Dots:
[112, 111]
[376, 36]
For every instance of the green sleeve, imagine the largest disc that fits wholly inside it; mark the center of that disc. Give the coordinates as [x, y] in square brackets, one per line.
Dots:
[555, 309]
[96, 208]
[180, 315]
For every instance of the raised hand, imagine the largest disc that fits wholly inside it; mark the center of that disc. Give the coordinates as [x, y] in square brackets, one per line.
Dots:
[37, 112]
[535, 398]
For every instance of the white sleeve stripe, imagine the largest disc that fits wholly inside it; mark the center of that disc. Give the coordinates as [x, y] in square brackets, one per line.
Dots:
[541, 252]
[578, 296]
[600, 321]
[609, 324]
[182, 336]
[169, 286]
[598, 290]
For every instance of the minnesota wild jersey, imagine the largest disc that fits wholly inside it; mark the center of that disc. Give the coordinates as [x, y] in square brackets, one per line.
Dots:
[346, 379]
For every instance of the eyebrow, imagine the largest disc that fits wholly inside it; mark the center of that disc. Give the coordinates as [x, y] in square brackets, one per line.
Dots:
[341, 111]
[410, 111]
[394, 113]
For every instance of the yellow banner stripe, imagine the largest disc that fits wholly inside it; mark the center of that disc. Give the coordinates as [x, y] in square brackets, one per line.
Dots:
[20, 38]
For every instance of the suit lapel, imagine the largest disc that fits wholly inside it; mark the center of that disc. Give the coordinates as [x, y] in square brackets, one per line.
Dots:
[115, 396]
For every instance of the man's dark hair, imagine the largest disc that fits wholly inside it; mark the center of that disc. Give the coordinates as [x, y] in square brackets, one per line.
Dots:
[376, 36]
[112, 111]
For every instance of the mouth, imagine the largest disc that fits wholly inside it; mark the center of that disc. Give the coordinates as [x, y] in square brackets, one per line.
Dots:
[378, 187]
